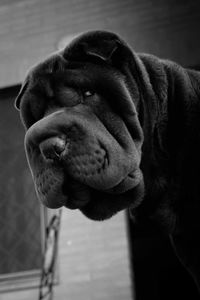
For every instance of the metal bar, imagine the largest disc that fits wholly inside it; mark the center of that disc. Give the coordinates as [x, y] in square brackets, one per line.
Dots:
[49, 258]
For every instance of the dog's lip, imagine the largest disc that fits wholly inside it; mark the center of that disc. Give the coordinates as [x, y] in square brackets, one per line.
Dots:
[73, 203]
[80, 196]
[50, 201]
[77, 195]
[129, 182]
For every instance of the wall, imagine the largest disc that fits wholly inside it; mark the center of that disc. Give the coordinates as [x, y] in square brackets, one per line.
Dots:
[29, 30]
[93, 261]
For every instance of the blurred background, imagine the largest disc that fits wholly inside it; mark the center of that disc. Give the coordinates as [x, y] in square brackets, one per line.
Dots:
[99, 261]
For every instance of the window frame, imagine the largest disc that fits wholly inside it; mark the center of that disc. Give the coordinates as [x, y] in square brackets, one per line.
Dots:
[24, 279]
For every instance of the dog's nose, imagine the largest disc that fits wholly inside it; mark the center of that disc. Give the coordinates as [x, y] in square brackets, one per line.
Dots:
[53, 147]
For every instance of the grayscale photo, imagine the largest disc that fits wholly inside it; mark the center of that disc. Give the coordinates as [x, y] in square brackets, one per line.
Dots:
[99, 150]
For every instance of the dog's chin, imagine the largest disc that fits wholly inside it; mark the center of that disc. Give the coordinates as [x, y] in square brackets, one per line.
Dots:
[102, 205]
[95, 204]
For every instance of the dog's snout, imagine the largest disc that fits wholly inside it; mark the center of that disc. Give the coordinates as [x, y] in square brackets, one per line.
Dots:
[53, 147]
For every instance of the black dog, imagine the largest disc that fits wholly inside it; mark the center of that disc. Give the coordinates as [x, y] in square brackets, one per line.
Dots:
[109, 129]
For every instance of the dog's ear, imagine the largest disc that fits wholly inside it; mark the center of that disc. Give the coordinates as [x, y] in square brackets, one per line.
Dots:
[20, 94]
[103, 49]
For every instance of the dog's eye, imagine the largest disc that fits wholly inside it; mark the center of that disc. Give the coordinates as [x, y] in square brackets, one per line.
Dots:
[88, 93]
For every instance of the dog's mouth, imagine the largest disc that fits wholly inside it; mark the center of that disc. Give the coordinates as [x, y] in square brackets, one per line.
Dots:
[77, 195]
[55, 189]
[100, 205]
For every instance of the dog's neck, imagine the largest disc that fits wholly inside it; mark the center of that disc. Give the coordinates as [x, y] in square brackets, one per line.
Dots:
[170, 116]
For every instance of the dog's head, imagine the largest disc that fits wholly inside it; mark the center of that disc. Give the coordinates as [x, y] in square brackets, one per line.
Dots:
[83, 137]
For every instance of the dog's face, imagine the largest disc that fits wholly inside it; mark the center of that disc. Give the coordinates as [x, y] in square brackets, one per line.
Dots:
[83, 138]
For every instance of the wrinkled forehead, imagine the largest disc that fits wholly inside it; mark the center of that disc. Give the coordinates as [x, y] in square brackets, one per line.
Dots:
[51, 65]
[56, 70]
[38, 76]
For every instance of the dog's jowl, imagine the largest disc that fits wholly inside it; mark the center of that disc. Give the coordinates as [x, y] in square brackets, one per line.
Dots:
[108, 129]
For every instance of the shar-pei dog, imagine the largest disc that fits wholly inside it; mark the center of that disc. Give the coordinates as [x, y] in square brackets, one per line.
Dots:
[108, 129]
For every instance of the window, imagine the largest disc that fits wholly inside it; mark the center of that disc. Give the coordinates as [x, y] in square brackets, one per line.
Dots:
[21, 216]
